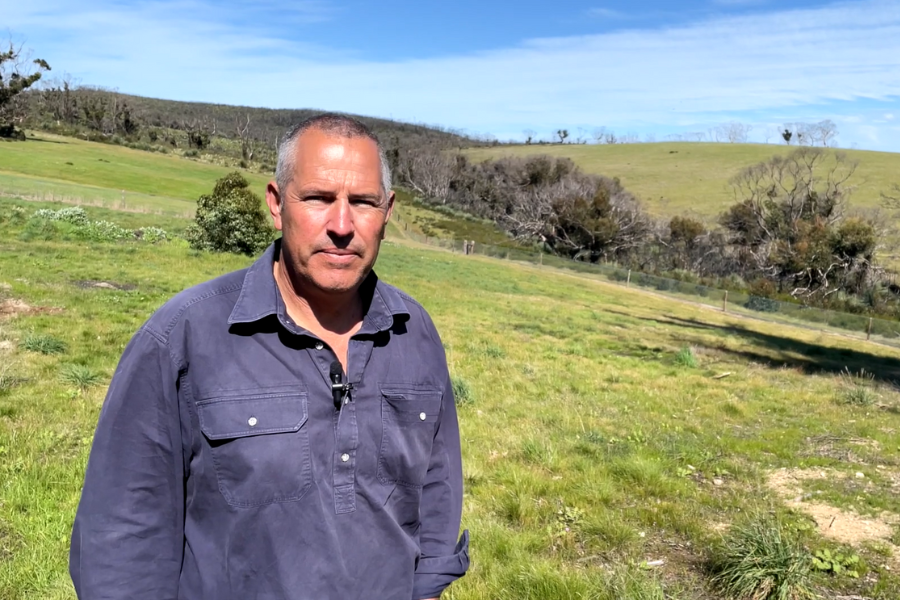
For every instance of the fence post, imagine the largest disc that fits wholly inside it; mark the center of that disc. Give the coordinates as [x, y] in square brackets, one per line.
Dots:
[869, 330]
[725, 302]
[628, 279]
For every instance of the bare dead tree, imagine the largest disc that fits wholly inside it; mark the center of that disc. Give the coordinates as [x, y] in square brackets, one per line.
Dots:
[18, 72]
[732, 132]
[244, 133]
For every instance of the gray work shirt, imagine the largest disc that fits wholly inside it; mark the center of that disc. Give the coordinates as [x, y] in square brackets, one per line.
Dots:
[222, 470]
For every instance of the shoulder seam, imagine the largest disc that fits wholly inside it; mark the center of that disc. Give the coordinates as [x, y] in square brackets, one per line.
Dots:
[163, 336]
[405, 296]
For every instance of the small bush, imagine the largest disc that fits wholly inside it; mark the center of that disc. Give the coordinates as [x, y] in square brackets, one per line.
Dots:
[686, 358]
[230, 219]
[45, 344]
[78, 375]
[462, 391]
[151, 234]
[105, 231]
[759, 561]
[761, 304]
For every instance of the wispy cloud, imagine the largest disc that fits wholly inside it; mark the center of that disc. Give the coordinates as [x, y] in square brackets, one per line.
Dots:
[606, 13]
[789, 62]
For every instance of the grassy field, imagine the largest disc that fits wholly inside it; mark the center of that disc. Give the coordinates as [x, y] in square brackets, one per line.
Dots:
[611, 438]
[64, 161]
[692, 178]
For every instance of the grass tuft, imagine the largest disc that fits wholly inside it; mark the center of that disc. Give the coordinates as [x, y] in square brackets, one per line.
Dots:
[686, 358]
[759, 561]
[45, 344]
[857, 389]
[80, 376]
[462, 391]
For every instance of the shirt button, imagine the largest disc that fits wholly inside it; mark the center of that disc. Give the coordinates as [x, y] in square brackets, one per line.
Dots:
[319, 345]
[251, 421]
[345, 457]
[422, 416]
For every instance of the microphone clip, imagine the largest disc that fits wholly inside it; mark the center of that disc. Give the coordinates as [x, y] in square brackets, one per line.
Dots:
[340, 393]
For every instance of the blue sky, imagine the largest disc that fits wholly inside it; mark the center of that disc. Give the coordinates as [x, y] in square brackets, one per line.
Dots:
[648, 68]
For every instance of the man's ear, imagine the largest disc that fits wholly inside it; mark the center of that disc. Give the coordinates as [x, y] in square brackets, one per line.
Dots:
[390, 206]
[275, 202]
[388, 213]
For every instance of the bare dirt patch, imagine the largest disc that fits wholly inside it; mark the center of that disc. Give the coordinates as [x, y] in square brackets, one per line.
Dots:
[13, 307]
[841, 525]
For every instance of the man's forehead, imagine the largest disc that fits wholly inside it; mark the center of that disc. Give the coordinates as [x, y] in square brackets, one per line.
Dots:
[334, 145]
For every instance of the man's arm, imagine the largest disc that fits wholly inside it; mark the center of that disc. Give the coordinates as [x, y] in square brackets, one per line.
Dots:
[128, 536]
[443, 559]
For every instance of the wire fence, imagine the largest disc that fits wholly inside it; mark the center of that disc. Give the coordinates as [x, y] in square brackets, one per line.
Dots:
[735, 302]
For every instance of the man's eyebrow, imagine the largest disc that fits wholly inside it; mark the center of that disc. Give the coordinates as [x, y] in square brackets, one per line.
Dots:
[315, 192]
[372, 197]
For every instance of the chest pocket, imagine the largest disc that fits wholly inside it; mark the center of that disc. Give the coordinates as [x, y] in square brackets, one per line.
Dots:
[259, 445]
[408, 418]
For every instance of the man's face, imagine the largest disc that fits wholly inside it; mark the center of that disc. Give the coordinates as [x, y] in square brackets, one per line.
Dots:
[333, 213]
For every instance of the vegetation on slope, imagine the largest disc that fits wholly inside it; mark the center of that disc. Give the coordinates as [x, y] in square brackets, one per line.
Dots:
[599, 462]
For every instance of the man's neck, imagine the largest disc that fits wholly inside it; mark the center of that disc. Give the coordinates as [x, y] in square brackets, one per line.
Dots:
[334, 315]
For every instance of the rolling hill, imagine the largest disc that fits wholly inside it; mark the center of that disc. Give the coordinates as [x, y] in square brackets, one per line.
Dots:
[692, 178]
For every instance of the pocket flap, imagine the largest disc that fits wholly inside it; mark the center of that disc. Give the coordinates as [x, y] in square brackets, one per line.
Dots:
[412, 402]
[241, 417]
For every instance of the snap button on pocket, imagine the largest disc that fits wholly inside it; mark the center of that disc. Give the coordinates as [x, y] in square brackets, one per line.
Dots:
[409, 414]
[258, 445]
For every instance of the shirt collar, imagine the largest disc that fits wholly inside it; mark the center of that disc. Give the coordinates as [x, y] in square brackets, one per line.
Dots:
[260, 297]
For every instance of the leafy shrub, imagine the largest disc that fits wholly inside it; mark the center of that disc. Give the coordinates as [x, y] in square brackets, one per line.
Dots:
[104, 231]
[151, 234]
[73, 214]
[230, 219]
[759, 560]
[761, 304]
[16, 215]
[43, 225]
[45, 344]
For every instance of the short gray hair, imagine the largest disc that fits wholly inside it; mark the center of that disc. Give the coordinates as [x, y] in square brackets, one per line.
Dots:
[333, 123]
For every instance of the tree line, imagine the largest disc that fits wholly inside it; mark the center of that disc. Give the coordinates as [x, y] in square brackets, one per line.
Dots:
[790, 232]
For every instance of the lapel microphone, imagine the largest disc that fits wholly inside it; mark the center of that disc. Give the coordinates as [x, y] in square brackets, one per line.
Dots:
[339, 389]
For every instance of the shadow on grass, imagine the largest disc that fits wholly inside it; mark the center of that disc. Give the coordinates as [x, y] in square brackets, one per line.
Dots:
[37, 139]
[797, 354]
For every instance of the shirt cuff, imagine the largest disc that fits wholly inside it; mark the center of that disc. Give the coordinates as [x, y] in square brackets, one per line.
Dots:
[435, 573]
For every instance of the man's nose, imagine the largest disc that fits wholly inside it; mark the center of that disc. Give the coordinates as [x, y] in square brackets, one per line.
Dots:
[340, 221]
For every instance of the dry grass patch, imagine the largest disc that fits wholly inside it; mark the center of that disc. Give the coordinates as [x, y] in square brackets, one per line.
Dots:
[844, 526]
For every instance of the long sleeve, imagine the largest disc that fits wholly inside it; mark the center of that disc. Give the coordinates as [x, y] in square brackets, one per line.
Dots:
[443, 559]
[128, 538]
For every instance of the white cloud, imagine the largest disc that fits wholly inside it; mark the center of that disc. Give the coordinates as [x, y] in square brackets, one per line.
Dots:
[687, 76]
[889, 117]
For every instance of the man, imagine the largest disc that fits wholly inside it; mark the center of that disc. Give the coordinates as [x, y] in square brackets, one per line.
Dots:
[226, 464]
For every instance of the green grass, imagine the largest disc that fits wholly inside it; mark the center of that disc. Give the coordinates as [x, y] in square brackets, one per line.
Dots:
[588, 452]
[45, 344]
[64, 160]
[759, 560]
